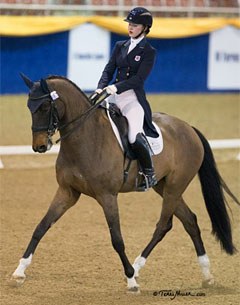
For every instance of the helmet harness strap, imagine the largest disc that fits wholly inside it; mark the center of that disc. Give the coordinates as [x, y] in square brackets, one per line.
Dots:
[144, 29]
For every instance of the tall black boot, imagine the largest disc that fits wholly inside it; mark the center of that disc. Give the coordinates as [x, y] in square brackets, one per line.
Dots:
[142, 150]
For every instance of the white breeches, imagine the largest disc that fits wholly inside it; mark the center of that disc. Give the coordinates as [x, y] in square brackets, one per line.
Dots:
[128, 103]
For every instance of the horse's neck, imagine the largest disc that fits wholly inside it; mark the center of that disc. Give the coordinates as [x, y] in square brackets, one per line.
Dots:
[76, 104]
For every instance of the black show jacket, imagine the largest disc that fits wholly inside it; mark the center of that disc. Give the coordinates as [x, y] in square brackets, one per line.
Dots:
[131, 72]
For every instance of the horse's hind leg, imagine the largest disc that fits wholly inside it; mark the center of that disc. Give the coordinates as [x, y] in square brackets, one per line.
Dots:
[189, 221]
[163, 226]
[63, 200]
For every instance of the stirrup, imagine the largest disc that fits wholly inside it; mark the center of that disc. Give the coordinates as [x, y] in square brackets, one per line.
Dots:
[148, 182]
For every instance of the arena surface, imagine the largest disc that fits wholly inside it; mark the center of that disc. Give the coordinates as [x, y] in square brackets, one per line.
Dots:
[75, 262]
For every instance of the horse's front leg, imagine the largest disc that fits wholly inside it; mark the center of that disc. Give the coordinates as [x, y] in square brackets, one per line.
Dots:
[63, 200]
[110, 208]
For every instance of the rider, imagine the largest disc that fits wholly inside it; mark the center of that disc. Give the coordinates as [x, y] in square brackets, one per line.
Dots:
[132, 60]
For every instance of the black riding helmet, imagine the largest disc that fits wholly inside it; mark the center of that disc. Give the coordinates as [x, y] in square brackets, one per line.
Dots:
[140, 15]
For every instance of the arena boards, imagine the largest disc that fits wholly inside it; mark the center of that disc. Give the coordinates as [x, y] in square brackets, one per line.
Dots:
[13, 150]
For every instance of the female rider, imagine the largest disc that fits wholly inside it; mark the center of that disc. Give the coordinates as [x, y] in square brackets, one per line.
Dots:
[132, 60]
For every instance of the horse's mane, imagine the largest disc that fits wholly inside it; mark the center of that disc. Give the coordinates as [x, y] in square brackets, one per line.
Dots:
[69, 81]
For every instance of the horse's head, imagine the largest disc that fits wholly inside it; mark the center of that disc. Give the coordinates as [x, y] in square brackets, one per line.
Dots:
[45, 116]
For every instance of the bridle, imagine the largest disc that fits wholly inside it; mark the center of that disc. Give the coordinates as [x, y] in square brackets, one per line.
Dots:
[53, 120]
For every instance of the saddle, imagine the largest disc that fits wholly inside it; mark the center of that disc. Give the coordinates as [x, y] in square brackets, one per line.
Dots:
[122, 125]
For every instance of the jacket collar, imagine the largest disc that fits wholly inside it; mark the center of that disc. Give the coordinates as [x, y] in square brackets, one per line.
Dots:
[136, 41]
[126, 45]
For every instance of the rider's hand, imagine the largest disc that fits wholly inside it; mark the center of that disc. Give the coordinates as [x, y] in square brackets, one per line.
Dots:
[111, 89]
[98, 91]
[93, 97]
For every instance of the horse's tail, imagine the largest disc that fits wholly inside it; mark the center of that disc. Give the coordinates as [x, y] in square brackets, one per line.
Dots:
[212, 188]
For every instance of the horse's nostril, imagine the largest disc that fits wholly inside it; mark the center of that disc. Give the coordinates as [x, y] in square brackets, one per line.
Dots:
[42, 148]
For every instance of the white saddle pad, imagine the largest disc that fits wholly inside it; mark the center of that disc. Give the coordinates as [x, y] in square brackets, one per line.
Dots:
[156, 144]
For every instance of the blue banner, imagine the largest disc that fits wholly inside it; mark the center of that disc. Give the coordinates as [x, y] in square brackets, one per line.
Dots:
[36, 56]
[181, 65]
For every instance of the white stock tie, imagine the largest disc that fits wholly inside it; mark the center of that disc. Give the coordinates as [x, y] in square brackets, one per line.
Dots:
[132, 46]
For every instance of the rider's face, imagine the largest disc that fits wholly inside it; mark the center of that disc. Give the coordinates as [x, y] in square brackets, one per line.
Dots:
[134, 29]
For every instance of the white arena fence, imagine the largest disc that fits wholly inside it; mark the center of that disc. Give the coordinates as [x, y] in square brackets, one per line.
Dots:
[27, 149]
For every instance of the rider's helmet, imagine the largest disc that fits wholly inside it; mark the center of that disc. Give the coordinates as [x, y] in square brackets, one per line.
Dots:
[140, 15]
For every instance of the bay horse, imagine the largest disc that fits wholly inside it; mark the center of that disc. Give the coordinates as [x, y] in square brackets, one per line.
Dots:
[91, 162]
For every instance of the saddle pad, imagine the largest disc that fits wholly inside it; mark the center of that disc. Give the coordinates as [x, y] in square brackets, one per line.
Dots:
[156, 144]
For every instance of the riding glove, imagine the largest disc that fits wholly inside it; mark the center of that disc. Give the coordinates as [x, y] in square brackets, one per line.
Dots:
[111, 89]
[98, 91]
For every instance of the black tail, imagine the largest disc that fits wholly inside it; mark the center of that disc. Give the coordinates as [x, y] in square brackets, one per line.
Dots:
[212, 188]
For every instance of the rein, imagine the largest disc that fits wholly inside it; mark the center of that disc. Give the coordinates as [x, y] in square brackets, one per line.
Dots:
[95, 100]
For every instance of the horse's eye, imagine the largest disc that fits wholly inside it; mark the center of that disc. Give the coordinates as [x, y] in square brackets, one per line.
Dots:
[45, 107]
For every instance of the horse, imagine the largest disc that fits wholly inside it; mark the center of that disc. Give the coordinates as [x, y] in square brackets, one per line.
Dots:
[91, 162]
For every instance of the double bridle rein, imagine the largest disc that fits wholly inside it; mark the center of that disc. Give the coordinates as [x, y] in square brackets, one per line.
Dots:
[53, 121]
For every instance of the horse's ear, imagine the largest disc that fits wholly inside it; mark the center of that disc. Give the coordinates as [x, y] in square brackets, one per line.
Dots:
[27, 80]
[44, 85]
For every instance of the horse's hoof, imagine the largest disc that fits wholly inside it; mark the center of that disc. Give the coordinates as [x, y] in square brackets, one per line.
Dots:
[16, 281]
[208, 283]
[134, 290]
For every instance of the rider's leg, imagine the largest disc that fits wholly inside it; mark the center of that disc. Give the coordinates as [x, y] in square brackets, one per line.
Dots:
[133, 111]
[142, 150]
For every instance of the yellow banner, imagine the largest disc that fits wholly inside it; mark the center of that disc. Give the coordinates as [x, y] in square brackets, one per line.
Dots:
[162, 27]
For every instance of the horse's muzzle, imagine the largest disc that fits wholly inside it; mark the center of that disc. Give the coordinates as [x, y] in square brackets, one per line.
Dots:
[41, 142]
[40, 149]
